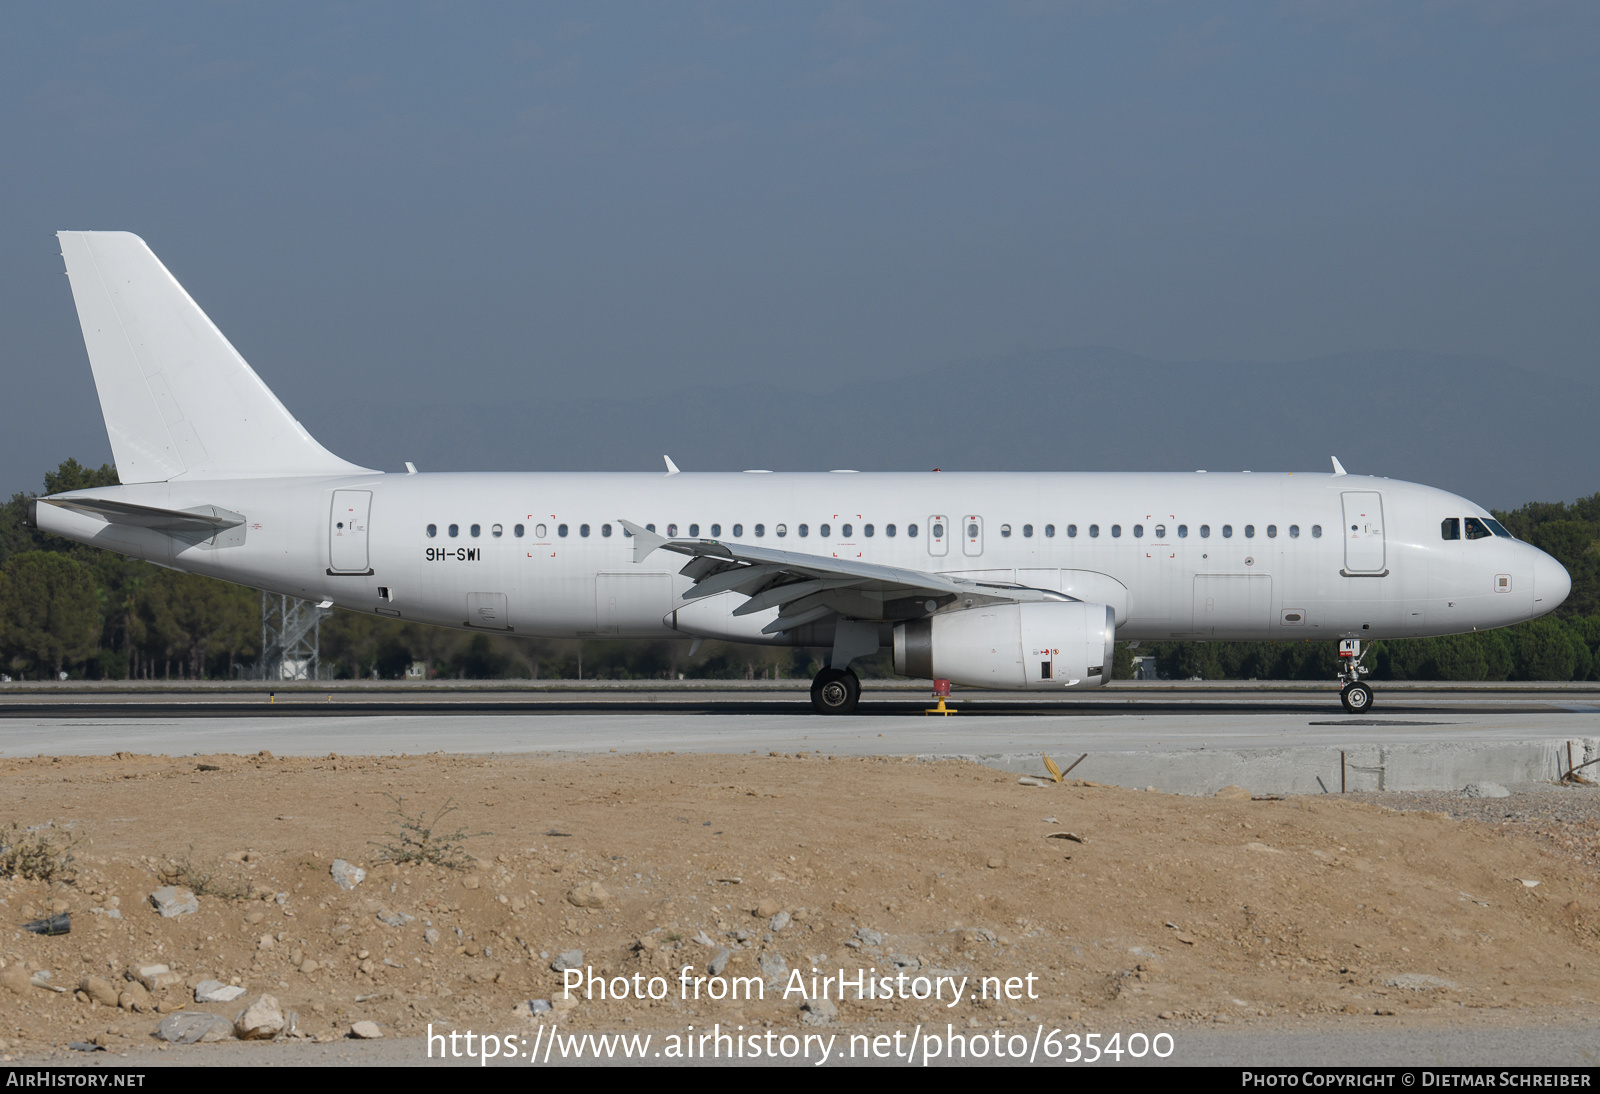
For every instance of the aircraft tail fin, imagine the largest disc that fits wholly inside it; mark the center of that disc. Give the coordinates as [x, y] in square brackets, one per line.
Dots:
[178, 399]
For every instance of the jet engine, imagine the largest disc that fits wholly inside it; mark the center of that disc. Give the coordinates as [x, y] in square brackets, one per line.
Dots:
[1029, 646]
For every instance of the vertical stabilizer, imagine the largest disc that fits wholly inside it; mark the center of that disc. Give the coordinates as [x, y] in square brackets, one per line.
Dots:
[178, 399]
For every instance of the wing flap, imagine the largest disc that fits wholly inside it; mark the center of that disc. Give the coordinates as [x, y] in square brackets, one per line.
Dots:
[806, 588]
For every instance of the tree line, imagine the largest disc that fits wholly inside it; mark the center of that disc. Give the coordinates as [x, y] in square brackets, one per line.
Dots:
[92, 614]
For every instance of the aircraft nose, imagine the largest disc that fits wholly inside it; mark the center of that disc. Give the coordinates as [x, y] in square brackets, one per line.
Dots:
[1551, 583]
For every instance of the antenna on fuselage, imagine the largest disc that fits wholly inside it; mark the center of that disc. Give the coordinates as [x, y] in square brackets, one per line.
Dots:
[1338, 468]
[672, 468]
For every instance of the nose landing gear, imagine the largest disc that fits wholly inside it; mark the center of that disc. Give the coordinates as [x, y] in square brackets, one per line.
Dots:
[835, 691]
[1355, 695]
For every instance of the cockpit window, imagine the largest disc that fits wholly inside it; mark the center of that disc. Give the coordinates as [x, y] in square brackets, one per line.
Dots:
[1499, 529]
[1450, 528]
[1476, 529]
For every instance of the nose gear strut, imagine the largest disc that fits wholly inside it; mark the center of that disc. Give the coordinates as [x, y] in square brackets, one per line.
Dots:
[1355, 695]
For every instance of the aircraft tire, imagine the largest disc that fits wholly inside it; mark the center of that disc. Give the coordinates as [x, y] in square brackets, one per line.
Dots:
[1357, 698]
[835, 692]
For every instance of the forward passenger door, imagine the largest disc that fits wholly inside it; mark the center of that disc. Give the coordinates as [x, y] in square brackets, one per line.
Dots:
[1363, 532]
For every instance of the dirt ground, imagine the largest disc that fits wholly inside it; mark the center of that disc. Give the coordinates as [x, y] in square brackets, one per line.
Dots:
[1089, 906]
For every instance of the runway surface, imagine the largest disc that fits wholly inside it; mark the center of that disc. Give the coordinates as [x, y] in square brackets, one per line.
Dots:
[740, 720]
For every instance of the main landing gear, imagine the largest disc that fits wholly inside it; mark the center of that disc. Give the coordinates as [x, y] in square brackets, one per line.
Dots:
[835, 691]
[1356, 696]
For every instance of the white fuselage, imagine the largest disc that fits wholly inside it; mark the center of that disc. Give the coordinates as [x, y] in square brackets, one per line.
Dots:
[1191, 555]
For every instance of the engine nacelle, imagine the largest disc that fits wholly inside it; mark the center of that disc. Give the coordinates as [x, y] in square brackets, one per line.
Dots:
[1030, 646]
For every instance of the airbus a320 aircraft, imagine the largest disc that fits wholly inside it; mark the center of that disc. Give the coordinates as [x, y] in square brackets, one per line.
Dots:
[1018, 581]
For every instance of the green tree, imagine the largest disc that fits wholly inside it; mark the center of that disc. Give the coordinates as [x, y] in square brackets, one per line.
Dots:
[51, 611]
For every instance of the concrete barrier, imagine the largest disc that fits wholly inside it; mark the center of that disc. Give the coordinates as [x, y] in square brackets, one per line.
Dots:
[1317, 769]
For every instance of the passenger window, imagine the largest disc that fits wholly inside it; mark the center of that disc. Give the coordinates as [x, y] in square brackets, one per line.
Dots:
[497, 531]
[540, 531]
[1272, 531]
[1005, 531]
[455, 530]
[476, 531]
[867, 528]
[1227, 531]
[1138, 531]
[761, 530]
[583, 529]
[605, 530]
[911, 530]
[1450, 528]
[1161, 531]
[738, 530]
[1294, 531]
[1205, 531]
[672, 531]
[433, 530]
[1476, 529]
[1072, 531]
[844, 532]
[1094, 531]
[1249, 531]
[938, 530]
[804, 530]
[1116, 531]
[972, 531]
[561, 530]
[1183, 531]
[649, 527]
[888, 530]
[694, 531]
[782, 530]
[1027, 531]
[517, 531]
[716, 531]
[1049, 531]
[822, 530]
[1316, 531]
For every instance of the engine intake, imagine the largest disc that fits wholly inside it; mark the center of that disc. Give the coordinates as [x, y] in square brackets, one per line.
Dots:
[1024, 647]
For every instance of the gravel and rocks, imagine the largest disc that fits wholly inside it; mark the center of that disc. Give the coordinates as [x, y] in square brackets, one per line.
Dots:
[1167, 910]
[1563, 818]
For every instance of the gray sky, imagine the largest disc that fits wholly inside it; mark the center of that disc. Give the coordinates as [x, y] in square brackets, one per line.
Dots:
[389, 205]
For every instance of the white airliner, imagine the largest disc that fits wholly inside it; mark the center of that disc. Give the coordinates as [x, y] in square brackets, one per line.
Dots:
[1016, 581]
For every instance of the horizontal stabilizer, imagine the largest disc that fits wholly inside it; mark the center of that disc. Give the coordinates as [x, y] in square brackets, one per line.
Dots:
[204, 518]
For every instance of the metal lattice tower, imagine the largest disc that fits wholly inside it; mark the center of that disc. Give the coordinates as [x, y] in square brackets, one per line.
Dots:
[291, 633]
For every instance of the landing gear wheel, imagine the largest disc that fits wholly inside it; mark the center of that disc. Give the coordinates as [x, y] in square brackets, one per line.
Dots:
[835, 692]
[1357, 698]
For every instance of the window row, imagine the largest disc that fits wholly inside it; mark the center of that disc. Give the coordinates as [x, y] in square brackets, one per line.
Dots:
[476, 530]
[1158, 530]
[693, 530]
[1450, 530]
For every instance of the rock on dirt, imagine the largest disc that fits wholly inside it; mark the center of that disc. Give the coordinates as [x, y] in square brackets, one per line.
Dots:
[591, 894]
[346, 875]
[171, 901]
[191, 1027]
[261, 1020]
[215, 991]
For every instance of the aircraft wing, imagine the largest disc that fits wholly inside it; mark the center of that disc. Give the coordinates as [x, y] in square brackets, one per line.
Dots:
[805, 588]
